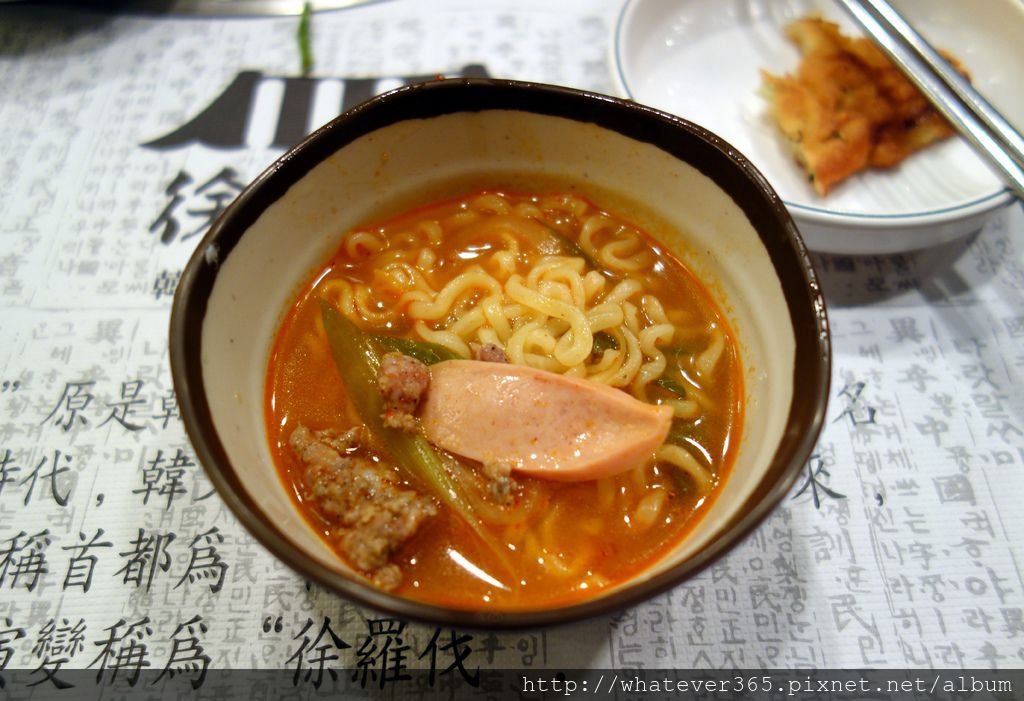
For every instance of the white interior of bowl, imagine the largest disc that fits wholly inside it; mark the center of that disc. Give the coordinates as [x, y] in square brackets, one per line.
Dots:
[419, 160]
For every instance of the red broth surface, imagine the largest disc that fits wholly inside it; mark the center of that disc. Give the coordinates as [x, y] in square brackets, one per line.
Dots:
[518, 270]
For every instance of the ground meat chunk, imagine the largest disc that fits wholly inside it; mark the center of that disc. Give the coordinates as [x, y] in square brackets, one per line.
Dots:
[346, 442]
[489, 352]
[501, 485]
[372, 515]
[327, 448]
[402, 382]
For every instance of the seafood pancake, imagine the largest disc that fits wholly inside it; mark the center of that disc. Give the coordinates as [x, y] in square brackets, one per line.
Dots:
[847, 107]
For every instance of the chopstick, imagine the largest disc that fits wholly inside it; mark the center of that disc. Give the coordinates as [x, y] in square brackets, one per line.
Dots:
[992, 136]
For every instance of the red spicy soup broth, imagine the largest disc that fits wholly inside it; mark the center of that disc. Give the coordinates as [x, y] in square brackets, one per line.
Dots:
[556, 543]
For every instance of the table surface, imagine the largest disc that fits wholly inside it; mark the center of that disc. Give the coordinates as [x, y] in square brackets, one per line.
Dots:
[121, 137]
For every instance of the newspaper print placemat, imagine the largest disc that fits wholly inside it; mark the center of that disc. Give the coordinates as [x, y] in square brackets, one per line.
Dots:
[122, 139]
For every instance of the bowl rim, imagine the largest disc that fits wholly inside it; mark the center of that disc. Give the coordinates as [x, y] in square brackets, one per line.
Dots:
[679, 137]
[952, 212]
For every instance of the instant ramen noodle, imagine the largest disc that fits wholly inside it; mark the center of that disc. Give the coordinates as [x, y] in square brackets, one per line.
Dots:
[503, 401]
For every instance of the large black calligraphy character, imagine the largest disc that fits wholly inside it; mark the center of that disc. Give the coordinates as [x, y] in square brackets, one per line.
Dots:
[816, 474]
[187, 654]
[457, 646]
[382, 654]
[857, 409]
[206, 563]
[24, 560]
[82, 562]
[148, 554]
[315, 654]
[124, 650]
[167, 224]
[68, 412]
[217, 193]
[203, 204]
[224, 123]
[59, 466]
[165, 477]
[56, 645]
[121, 412]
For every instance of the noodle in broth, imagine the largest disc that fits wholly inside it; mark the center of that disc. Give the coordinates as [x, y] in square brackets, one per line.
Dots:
[559, 285]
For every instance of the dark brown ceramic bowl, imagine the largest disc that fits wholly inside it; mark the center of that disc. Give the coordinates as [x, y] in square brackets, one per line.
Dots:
[704, 201]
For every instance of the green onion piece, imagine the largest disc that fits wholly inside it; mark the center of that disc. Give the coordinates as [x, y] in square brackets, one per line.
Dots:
[425, 352]
[573, 249]
[550, 241]
[676, 388]
[682, 480]
[305, 40]
[603, 341]
[358, 361]
[685, 431]
[570, 248]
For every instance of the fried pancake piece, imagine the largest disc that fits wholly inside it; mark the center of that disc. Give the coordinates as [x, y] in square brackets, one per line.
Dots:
[847, 107]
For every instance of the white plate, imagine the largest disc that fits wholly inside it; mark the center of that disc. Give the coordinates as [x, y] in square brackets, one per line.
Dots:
[701, 60]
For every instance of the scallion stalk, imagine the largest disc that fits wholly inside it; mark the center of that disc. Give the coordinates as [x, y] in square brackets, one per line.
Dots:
[358, 360]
